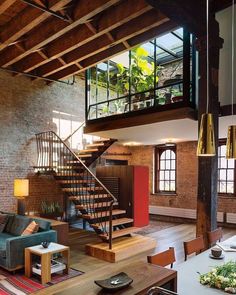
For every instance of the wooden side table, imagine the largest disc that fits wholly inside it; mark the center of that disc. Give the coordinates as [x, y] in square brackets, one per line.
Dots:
[45, 255]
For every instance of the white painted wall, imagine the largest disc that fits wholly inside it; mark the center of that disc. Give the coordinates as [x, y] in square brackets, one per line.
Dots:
[224, 18]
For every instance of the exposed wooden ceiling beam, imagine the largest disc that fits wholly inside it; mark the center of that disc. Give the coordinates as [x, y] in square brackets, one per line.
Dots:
[5, 4]
[25, 21]
[135, 27]
[113, 51]
[190, 15]
[54, 28]
[111, 19]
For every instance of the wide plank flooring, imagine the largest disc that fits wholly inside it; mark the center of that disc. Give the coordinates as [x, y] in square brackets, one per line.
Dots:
[171, 236]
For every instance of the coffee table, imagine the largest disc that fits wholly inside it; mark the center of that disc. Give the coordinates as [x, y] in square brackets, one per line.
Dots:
[45, 255]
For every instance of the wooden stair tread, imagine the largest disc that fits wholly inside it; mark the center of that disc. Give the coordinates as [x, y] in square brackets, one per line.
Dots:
[115, 222]
[87, 151]
[94, 145]
[75, 181]
[95, 205]
[85, 155]
[102, 140]
[120, 232]
[104, 214]
[96, 188]
[79, 198]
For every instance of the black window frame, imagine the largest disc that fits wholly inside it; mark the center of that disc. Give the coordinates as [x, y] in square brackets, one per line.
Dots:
[226, 194]
[159, 149]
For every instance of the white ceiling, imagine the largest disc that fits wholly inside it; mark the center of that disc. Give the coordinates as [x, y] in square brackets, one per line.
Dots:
[168, 131]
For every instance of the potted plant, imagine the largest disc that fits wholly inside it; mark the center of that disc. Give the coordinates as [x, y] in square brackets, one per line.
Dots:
[51, 210]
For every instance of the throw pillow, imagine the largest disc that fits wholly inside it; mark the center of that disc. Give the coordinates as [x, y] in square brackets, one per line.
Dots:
[32, 228]
[18, 225]
[3, 221]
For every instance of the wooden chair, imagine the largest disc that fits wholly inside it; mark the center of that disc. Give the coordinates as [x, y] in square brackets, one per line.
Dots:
[160, 291]
[194, 246]
[214, 236]
[163, 258]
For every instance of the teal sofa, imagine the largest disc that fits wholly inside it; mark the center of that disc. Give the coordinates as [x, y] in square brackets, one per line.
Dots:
[12, 244]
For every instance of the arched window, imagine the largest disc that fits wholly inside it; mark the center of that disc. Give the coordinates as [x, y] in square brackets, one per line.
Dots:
[226, 172]
[165, 169]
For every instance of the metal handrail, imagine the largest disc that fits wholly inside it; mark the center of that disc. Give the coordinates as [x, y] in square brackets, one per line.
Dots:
[77, 129]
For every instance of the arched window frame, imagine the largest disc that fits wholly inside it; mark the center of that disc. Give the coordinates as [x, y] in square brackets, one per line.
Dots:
[222, 156]
[159, 150]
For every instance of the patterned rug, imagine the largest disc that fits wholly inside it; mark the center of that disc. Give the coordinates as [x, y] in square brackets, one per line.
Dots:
[18, 284]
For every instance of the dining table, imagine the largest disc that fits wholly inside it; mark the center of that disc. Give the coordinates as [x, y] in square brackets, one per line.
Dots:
[190, 270]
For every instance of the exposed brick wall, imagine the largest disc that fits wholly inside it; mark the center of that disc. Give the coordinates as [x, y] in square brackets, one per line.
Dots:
[187, 176]
[27, 108]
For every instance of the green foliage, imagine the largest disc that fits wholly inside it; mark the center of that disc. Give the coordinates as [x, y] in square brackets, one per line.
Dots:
[50, 207]
[221, 277]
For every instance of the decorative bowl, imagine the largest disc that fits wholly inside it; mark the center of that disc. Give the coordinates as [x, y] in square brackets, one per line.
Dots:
[45, 244]
[115, 283]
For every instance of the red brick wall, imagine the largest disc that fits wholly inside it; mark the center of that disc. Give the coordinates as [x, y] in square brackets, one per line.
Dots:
[187, 174]
[27, 108]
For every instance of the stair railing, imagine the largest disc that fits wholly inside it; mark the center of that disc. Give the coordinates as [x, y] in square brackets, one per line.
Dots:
[82, 186]
[81, 140]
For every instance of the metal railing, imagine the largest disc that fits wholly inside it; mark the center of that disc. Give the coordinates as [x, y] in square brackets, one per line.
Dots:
[88, 193]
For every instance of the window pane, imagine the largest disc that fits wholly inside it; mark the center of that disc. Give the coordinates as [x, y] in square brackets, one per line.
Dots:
[222, 187]
[231, 163]
[168, 164]
[163, 155]
[167, 185]
[230, 175]
[230, 187]
[222, 174]
[173, 164]
[168, 154]
[172, 155]
[167, 175]
[223, 163]
[172, 185]
[161, 185]
[162, 175]
[172, 175]
[162, 165]
[223, 150]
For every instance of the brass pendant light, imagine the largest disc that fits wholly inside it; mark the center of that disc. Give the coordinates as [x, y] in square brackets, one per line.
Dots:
[231, 138]
[206, 140]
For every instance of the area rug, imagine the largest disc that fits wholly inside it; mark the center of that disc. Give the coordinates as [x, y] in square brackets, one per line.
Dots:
[18, 284]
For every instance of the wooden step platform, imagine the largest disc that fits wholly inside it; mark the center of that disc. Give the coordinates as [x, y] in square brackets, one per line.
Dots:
[122, 248]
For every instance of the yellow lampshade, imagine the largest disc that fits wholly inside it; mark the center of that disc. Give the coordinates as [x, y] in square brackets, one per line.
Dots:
[231, 143]
[206, 141]
[21, 188]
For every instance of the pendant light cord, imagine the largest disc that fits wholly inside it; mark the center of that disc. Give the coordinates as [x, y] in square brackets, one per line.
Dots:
[207, 32]
[232, 85]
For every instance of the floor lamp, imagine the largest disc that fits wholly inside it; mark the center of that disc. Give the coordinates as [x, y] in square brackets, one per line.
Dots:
[21, 190]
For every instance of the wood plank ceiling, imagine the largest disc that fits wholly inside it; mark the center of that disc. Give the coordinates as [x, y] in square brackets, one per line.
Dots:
[71, 36]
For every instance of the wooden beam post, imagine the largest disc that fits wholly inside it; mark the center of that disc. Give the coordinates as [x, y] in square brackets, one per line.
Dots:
[208, 166]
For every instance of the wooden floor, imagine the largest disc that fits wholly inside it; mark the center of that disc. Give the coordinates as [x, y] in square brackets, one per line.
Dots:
[172, 236]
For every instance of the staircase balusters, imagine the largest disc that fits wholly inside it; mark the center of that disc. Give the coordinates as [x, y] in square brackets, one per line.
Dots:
[88, 192]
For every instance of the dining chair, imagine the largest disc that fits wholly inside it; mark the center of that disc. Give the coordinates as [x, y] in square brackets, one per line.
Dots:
[214, 236]
[163, 258]
[193, 246]
[160, 291]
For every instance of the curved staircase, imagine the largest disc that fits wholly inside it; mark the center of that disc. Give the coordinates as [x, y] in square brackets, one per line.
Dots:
[93, 201]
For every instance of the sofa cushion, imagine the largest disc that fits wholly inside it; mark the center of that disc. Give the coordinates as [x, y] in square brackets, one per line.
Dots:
[3, 238]
[44, 225]
[18, 225]
[32, 228]
[9, 222]
[3, 221]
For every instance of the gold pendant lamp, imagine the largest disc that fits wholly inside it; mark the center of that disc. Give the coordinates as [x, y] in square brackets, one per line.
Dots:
[231, 138]
[206, 141]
